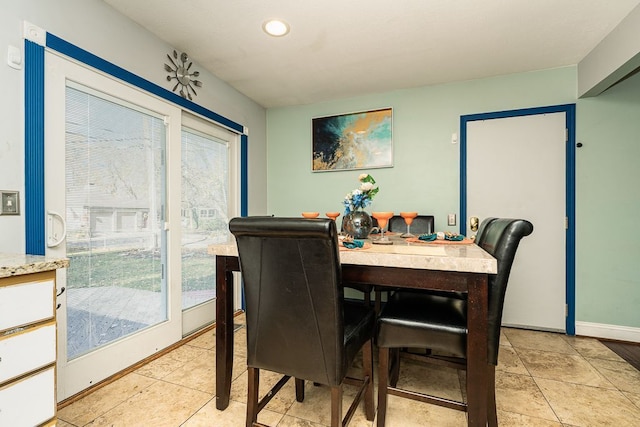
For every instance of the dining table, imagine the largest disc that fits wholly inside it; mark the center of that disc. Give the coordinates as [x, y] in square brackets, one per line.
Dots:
[406, 263]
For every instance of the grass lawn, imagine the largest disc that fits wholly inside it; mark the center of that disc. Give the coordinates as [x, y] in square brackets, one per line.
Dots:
[137, 269]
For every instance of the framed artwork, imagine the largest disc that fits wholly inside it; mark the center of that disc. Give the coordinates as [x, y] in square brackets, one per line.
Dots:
[350, 141]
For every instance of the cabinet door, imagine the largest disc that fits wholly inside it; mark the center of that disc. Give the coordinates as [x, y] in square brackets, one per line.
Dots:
[27, 351]
[13, 302]
[30, 401]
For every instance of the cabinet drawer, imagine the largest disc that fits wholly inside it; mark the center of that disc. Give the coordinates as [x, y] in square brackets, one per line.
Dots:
[30, 401]
[28, 302]
[27, 351]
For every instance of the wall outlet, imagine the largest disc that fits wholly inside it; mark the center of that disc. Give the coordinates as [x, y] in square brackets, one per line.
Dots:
[9, 203]
[451, 219]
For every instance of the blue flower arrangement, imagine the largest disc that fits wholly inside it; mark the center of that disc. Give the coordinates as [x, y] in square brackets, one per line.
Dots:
[361, 197]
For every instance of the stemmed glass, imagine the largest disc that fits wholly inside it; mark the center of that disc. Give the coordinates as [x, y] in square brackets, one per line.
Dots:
[408, 219]
[333, 215]
[382, 218]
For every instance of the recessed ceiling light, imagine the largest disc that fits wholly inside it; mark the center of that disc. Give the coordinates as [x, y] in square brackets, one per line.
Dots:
[276, 28]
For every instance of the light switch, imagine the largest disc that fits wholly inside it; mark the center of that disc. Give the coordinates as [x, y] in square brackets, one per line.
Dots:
[14, 58]
[10, 203]
[451, 219]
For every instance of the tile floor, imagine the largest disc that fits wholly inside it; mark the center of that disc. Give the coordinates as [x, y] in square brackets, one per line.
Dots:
[542, 379]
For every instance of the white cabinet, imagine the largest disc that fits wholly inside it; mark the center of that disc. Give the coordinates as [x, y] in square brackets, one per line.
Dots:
[28, 350]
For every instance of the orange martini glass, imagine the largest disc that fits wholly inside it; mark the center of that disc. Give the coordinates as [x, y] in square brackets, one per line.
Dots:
[333, 215]
[408, 219]
[382, 218]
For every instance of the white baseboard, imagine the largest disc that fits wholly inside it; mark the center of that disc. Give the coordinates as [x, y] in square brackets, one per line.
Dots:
[612, 332]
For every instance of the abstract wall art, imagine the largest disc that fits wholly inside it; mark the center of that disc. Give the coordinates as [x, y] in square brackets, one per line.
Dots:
[361, 140]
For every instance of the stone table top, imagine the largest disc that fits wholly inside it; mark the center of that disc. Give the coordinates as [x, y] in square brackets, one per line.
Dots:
[18, 264]
[432, 256]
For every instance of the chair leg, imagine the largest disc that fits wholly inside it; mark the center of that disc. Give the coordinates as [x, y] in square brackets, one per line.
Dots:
[383, 382]
[367, 298]
[336, 406]
[492, 412]
[378, 301]
[394, 366]
[299, 390]
[367, 371]
[252, 395]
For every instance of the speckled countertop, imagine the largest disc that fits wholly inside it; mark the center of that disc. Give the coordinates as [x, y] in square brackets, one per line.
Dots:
[17, 264]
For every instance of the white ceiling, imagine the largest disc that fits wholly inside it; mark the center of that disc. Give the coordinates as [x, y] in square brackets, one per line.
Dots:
[345, 48]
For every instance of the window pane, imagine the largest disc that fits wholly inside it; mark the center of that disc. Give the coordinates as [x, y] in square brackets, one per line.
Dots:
[205, 200]
[114, 198]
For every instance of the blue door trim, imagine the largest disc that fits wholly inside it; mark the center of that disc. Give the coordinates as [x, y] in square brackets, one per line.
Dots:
[35, 217]
[34, 213]
[570, 182]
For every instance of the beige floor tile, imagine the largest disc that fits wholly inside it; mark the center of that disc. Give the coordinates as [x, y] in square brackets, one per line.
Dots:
[316, 407]
[61, 423]
[546, 341]
[239, 366]
[510, 419]
[198, 373]
[592, 348]
[509, 361]
[282, 400]
[519, 394]
[622, 375]
[582, 405]
[233, 416]
[206, 341]
[571, 368]
[289, 421]
[576, 382]
[161, 404]
[240, 319]
[240, 342]
[409, 413]
[430, 379]
[170, 362]
[633, 397]
[104, 399]
[504, 340]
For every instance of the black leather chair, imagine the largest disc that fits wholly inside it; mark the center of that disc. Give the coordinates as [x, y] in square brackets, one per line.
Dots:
[439, 323]
[298, 323]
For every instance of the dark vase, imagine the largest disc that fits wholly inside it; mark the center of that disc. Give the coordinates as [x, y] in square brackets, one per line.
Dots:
[357, 224]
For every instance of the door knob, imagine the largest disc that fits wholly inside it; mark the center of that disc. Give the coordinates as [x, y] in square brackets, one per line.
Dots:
[473, 223]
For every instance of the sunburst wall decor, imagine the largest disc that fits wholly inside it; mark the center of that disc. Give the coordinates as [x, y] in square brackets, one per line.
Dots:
[179, 70]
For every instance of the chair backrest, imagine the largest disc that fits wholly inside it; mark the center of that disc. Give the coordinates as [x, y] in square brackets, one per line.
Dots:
[292, 280]
[421, 224]
[500, 237]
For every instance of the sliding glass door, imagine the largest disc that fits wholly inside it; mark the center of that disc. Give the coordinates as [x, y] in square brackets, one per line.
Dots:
[106, 199]
[207, 200]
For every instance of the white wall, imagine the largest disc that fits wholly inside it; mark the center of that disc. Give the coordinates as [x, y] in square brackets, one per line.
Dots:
[617, 55]
[96, 27]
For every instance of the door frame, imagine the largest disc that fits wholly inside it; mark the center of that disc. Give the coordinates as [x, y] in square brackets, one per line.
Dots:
[35, 43]
[570, 190]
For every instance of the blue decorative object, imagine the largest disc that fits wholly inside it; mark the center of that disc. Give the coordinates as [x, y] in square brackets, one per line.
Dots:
[428, 237]
[354, 244]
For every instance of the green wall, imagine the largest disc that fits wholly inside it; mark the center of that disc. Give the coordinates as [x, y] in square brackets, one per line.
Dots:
[425, 176]
[608, 201]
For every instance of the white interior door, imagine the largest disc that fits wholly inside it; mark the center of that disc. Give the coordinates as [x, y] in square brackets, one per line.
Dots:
[516, 169]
